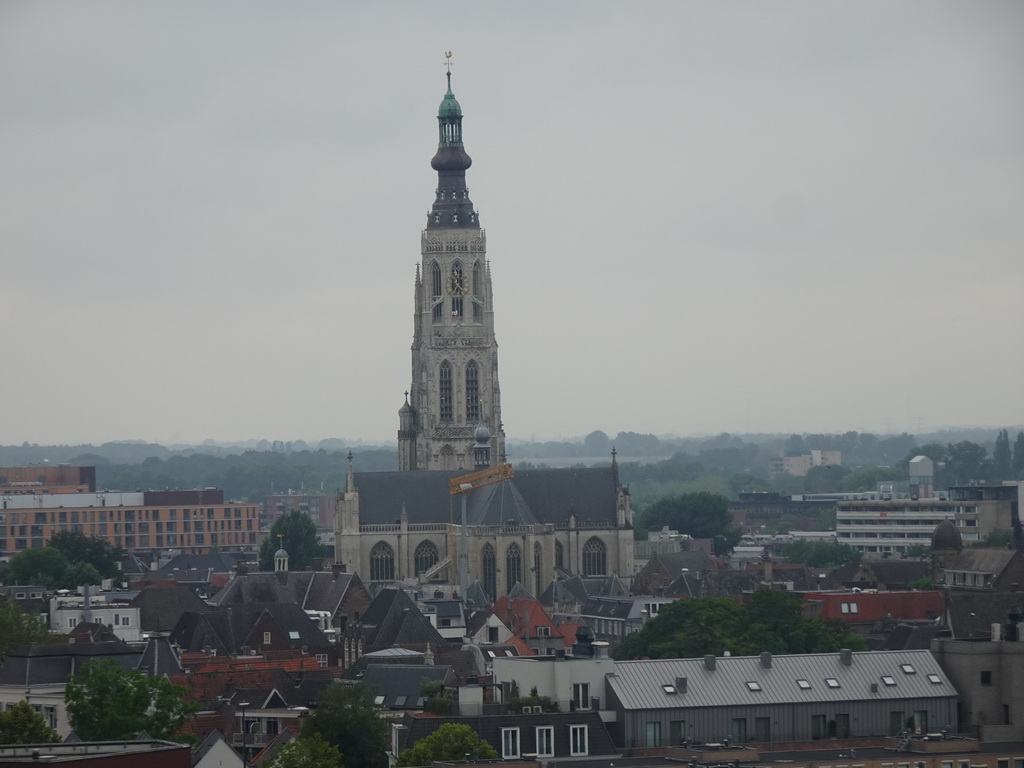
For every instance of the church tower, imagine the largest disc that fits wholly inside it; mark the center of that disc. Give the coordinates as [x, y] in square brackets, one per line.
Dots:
[454, 353]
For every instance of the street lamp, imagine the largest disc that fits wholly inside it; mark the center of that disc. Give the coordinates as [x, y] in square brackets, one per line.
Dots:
[243, 705]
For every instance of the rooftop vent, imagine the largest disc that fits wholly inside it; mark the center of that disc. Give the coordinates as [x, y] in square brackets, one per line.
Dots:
[681, 684]
[846, 657]
[709, 662]
[766, 660]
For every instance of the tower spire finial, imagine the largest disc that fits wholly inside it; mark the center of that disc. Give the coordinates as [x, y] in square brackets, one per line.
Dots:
[448, 67]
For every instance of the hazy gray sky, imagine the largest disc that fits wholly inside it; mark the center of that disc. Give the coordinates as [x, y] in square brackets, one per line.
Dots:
[701, 217]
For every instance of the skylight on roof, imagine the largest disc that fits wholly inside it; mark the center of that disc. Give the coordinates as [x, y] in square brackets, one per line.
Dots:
[753, 685]
[293, 635]
[934, 679]
[803, 685]
[508, 652]
[378, 700]
[907, 669]
[491, 654]
[831, 682]
[888, 680]
[668, 688]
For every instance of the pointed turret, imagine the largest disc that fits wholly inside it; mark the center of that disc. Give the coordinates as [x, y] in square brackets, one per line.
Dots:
[452, 206]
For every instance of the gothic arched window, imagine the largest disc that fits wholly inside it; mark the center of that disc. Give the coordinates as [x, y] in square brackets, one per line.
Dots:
[446, 410]
[595, 556]
[472, 393]
[457, 287]
[537, 555]
[559, 556]
[478, 279]
[513, 566]
[382, 563]
[435, 280]
[446, 459]
[490, 570]
[425, 557]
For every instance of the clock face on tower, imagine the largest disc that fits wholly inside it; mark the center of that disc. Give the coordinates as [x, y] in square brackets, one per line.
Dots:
[456, 285]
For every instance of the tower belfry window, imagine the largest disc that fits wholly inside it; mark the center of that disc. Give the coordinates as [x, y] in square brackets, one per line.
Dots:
[446, 409]
[472, 393]
[435, 271]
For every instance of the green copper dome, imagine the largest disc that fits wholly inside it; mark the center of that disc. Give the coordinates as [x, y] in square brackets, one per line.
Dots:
[449, 106]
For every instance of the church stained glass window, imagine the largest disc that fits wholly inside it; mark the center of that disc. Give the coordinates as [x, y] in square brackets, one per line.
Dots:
[382, 563]
[425, 557]
[447, 410]
[594, 558]
[435, 280]
[513, 566]
[559, 556]
[472, 393]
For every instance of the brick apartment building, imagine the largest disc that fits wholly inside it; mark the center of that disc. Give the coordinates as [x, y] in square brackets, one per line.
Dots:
[42, 502]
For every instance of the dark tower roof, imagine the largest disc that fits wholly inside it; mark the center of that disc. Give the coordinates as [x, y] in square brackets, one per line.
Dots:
[452, 207]
[946, 536]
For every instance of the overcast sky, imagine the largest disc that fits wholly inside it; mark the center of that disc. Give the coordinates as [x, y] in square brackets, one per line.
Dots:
[701, 217]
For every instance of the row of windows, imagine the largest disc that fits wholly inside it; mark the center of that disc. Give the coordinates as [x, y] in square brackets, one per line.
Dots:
[117, 514]
[544, 741]
[446, 390]
[425, 557]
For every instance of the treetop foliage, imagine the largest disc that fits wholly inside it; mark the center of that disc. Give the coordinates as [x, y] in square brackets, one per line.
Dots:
[452, 741]
[346, 717]
[821, 554]
[23, 725]
[306, 752]
[295, 532]
[769, 621]
[107, 702]
[19, 629]
[701, 515]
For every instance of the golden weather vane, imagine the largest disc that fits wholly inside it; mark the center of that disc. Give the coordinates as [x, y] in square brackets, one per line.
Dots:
[448, 61]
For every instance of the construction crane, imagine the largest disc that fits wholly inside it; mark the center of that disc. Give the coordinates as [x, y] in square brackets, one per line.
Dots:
[462, 485]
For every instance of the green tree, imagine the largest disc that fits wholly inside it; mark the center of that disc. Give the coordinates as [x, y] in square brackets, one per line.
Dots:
[97, 552]
[917, 552]
[452, 741]
[108, 702]
[966, 461]
[19, 629]
[306, 752]
[1018, 457]
[298, 538]
[825, 479]
[820, 554]
[23, 725]
[42, 565]
[1002, 460]
[346, 717]
[769, 621]
[701, 515]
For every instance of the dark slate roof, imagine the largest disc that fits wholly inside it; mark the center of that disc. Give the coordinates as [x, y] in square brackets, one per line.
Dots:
[694, 561]
[728, 583]
[394, 619]
[227, 628]
[310, 590]
[608, 586]
[898, 573]
[391, 656]
[160, 658]
[518, 590]
[488, 727]
[477, 620]
[533, 495]
[160, 606]
[467, 661]
[608, 608]
[476, 595]
[971, 614]
[908, 637]
[982, 560]
[399, 684]
[42, 664]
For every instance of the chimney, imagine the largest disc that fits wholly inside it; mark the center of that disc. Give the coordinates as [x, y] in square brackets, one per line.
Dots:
[846, 657]
[709, 662]
[681, 684]
[766, 660]
[338, 568]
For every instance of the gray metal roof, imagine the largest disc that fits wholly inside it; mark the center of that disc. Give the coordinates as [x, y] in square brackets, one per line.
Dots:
[639, 684]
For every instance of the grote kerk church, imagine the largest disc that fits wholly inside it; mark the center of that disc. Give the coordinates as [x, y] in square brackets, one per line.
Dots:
[541, 525]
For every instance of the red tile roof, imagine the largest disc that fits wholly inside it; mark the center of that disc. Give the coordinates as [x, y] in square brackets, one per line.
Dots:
[875, 606]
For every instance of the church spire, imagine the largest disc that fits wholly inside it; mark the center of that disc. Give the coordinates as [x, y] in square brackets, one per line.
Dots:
[452, 206]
